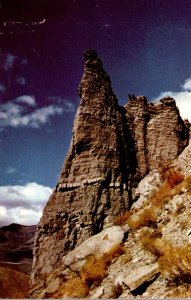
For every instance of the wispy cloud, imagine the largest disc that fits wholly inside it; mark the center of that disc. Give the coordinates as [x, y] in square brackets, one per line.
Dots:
[10, 170]
[67, 105]
[13, 70]
[21, 80]
[22, 112]
[22, 204]
[38, 117]
[183, 99]
[9, 61]
[29, 100]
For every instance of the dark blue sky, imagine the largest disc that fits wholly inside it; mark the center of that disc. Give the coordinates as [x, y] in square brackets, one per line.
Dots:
[145, 46]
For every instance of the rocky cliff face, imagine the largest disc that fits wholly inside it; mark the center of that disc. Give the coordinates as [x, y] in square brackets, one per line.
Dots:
[93, 186]
[158, 132]
[112, 148]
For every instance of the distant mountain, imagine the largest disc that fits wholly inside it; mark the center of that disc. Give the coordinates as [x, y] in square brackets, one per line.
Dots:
[16, 244]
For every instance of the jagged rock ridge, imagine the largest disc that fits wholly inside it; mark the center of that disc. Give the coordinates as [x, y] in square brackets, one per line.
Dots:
[158, 132]
[112, 148]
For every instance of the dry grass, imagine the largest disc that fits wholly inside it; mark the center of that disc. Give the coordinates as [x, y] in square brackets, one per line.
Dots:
[174, 177]
[172, 185]
[173, 182]
[146, 217]
[122, 220]
[184, 186]
[13, 284]
[73, 287]
[95, 268]
[183, 291]
[91, 274]
[151, 241]
[175, 263]
[116, 292]
[188, 181]
[187, 184]
[171, 175]
[162, 195]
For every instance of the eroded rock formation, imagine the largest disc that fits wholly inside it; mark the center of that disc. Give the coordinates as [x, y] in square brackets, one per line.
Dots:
[93, 186]
[158, 132]
[112, 148]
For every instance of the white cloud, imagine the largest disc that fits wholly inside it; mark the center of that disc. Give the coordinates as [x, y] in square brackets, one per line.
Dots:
[22, 113]
[3, 212]
[67, 105]
[29, 100]
[41, 116]
[183, 99]
[187, 84]
[9, 61]
[10, 170]
[4, 216]
[21, 80]
[22, 204]
[10, 75]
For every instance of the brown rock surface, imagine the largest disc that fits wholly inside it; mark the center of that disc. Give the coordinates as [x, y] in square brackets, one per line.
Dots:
[158, 131]
[93, 186]
[139, 276]
[146, 275]
[112, 149]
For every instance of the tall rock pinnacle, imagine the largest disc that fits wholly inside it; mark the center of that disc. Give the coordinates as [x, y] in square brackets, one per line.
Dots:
[93, 186]
[111, 150]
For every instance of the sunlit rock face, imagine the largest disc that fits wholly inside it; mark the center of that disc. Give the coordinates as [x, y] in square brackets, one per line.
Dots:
[158, 132]
[94, 182]
[111, 150]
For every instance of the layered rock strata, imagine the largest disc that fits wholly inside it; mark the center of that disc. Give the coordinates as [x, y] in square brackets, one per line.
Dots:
[158, 132]
[112, 148]
[93, 186]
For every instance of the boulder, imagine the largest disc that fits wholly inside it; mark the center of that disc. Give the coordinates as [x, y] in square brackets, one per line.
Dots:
[138, 276]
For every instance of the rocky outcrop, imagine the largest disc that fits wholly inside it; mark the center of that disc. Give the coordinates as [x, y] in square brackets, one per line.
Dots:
[94, 182]
[112, 149]
[138, 277]
[96, 245]
[158, 132]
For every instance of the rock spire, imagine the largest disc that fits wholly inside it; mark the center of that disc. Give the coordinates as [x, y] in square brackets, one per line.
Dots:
[93, 186]
[111, 150]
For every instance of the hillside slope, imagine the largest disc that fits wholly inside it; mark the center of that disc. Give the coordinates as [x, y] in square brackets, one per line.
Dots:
[147, 253]
[13, 284]
[16, 246]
